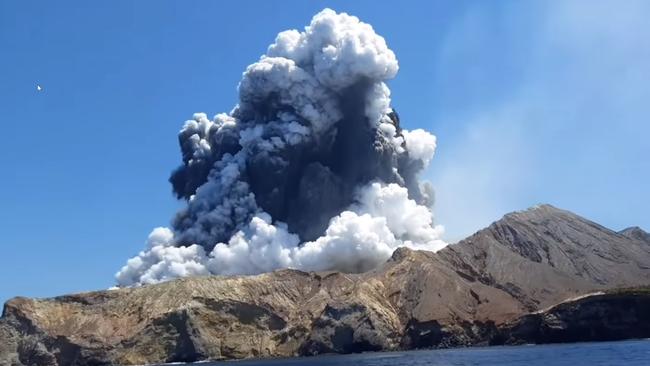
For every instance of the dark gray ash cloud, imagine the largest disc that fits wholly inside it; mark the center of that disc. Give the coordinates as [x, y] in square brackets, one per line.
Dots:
[310, 170]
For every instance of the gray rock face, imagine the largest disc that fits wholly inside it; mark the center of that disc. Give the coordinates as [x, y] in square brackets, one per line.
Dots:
[494, 287]
[635, 232]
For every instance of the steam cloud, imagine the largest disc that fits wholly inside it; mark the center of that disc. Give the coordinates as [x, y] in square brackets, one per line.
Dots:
[311, 170]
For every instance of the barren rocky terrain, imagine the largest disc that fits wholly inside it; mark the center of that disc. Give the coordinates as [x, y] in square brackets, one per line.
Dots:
[540, 275]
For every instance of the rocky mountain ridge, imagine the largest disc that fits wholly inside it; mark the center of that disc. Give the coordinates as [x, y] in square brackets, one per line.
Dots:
[503, 284]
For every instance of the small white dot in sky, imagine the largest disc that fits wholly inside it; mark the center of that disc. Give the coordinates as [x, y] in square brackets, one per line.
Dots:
[39, 88]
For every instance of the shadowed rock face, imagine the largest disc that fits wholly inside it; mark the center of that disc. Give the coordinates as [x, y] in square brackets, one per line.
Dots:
[495, 287]
[611, 316]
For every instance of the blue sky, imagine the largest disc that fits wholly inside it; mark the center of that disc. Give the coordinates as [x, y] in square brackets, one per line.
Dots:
[531, 102]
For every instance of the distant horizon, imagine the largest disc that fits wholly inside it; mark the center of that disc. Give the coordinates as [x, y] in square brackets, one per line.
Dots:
[537, 103]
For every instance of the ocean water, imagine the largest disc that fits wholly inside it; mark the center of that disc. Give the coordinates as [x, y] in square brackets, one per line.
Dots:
[605, 353]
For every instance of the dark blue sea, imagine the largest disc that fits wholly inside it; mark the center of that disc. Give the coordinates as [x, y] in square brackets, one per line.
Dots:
[607, 353]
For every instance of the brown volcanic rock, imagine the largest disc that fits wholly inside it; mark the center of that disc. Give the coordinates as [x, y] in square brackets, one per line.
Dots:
[465, 294]
[544, 255]
[284, 313]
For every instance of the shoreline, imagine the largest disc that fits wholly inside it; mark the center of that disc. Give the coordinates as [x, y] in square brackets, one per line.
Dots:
[397, 353]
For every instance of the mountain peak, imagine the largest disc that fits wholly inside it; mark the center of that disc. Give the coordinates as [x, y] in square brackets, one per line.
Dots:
[566, 243]
[635, 232]
[543, 210]
[542, 254]
[543, 207]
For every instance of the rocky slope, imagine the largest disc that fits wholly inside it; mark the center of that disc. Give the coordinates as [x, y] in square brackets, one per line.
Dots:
[610, 316]
[491, 288]
[636, 233]
[544, 255]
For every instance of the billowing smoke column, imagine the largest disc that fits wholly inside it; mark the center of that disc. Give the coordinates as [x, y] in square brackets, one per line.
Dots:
[311, 170]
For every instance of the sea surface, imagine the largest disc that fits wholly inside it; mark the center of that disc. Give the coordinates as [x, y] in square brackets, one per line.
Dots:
[605, 353]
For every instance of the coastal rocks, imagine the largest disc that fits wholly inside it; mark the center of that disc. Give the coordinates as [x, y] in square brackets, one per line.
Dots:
[9, 341]
[431, 334]
[611, 316]
[350, 328]
[502, 285]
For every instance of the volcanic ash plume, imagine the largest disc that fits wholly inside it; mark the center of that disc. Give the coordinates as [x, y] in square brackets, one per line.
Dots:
[311, 170]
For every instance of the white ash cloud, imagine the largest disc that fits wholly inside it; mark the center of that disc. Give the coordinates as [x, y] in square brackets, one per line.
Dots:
[311, 170]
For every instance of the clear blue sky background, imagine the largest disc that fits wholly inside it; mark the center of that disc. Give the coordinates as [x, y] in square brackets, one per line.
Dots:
[531, 102]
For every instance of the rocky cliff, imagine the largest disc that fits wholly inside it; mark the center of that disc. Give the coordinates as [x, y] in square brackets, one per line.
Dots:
[603, 316]
[509, 283]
